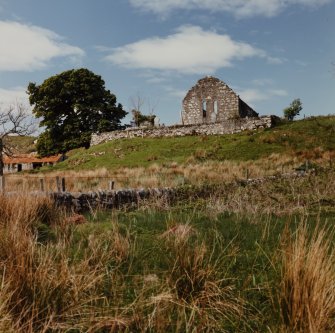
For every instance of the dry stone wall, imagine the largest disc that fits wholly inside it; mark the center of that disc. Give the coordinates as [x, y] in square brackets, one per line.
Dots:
[230, 126]
[81, 202]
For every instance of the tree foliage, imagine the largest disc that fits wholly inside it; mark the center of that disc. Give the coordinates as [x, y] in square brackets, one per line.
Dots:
[72, 105]
[293, 110]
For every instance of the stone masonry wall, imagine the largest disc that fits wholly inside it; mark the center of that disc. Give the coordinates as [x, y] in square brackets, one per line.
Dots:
[210, 101]
[228, 127]
[213, 95]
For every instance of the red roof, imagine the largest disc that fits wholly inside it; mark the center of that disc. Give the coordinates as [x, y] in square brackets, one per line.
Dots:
[28, 158]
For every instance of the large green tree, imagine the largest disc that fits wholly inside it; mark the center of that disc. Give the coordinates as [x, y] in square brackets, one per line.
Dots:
[72, 105]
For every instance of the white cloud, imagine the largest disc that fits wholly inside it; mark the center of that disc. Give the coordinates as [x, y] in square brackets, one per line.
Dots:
[13, 95]
[189, 50]
[240, 8]
[301, 63]
[27, 47]
[278, 92]
[175, 92]
[262, 82]
[156, 79]
[253, 95]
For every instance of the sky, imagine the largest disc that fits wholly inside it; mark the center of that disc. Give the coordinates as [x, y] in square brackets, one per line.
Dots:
[269, 51]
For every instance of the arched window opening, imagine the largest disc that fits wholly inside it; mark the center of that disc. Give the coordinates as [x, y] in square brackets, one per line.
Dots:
[216, 107]
[204, 109]
[215, 112]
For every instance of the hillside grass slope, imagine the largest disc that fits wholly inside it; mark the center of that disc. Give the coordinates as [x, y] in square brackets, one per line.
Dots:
[21, 144]
[308, 138]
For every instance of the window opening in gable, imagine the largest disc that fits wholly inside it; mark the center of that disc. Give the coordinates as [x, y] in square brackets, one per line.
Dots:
[204, 109]
[216, 107]
[215, 112]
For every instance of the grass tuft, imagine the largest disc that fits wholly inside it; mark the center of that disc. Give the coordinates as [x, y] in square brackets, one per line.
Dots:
[308, 282]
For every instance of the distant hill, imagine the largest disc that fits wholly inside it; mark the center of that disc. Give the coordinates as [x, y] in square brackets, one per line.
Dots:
[306, 138]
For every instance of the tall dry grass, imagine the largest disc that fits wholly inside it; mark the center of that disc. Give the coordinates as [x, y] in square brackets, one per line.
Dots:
[282, 197]
[59, 284]
[196, 295]
[169, 174]
[307, 290]
[98, 278]
[45, 286]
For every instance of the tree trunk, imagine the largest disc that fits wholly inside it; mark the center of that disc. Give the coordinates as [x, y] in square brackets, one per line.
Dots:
[1, 157]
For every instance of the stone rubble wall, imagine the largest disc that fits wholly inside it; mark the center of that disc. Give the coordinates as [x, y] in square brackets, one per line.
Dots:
[81, 202]
[229, 126]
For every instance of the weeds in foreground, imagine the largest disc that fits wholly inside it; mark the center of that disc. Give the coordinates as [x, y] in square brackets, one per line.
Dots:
[188, 269]
[88, 284]
[40, 286]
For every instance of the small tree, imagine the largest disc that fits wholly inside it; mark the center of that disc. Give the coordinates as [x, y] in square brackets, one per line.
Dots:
[13, 121]
[139, 118]
[293, 110]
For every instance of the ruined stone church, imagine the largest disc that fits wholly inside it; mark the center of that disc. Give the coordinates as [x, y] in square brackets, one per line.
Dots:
[209, 108]
[212, 101]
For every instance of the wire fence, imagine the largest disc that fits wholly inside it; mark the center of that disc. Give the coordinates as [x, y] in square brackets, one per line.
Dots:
[11, 183]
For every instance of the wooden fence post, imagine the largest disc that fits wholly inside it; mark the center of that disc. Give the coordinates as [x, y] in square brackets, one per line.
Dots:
[2, 184]
[58, 184]
[247, 174]
[111, 185]
[63, 185]
[42, 184]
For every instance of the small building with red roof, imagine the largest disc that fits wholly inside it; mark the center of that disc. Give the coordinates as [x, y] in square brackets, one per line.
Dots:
[23, 162]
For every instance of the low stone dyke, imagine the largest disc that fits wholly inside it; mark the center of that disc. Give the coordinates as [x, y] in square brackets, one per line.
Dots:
[229, 126]
[81, 202]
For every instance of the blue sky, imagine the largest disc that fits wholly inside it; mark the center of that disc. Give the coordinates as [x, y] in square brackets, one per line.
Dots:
[268, 51]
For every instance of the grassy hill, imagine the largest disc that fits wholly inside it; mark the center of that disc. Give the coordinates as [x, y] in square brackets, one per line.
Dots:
[308, 138]
[21, 144]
